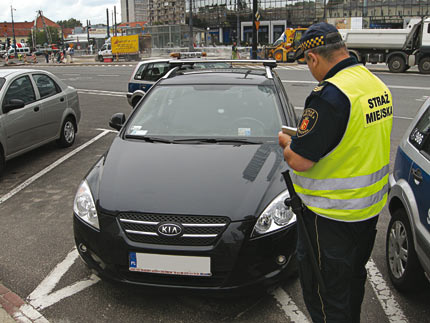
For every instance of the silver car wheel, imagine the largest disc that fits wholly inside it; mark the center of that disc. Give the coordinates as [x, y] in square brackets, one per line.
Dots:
[398, 249]
[69, 132]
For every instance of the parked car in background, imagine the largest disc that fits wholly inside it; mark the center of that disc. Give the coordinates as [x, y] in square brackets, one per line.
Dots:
[146, 73]
[190, 194]
[36, 108]
[408, 236]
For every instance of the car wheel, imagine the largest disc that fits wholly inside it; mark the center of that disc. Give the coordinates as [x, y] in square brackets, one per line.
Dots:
[136, 101]
[424, 65]
[2, 161]
[68, 133]
[404, 268]
[397, 64]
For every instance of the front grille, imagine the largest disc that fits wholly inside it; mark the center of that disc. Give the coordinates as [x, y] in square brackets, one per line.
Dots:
[197, 230]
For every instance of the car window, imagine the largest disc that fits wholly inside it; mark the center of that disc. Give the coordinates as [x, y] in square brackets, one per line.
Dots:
[209, 110]
[420, 135]
[46, 85]
[139, 72]
[2, 80]
[21, 89]
[155, 71]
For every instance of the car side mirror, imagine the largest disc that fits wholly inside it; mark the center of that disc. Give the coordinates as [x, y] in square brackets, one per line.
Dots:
[13, 104]
[117, 121]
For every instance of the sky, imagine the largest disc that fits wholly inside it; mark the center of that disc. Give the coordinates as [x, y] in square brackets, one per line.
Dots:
[26, 10]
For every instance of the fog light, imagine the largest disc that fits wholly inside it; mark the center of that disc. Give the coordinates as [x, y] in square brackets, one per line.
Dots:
[82, 247]
[281, 259]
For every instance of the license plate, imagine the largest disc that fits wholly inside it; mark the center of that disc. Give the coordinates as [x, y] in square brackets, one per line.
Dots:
[170, 264]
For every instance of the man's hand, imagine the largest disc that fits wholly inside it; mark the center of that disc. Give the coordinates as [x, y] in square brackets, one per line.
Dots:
[296, 162]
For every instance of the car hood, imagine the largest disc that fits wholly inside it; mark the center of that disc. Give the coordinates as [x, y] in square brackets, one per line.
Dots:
[194, 179]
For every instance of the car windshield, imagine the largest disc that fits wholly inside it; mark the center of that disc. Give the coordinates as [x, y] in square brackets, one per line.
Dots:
[201, 111]
[2, 80]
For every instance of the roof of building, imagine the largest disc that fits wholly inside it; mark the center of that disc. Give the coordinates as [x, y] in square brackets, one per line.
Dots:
[22, 29]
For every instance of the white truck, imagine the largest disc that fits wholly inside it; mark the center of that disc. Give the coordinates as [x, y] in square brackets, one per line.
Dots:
[399, 48]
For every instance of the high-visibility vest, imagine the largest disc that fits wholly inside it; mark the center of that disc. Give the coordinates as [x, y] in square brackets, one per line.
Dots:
[350, 183]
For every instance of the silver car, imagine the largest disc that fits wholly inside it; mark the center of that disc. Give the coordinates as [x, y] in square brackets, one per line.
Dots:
[36, 108]
[408, 236]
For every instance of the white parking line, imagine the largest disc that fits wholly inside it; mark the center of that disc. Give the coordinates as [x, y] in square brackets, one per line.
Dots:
[43, 297]
[385, 297]
[108, 75]
[33, 178]
[289, 307]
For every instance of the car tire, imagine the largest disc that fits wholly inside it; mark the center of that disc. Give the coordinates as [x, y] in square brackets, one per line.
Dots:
[397, 64]
[2, 161]
[278, 55]
[136, 101]
[68, 133]
[404, 268]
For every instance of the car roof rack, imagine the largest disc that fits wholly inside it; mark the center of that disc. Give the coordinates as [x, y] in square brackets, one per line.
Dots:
[178, 63]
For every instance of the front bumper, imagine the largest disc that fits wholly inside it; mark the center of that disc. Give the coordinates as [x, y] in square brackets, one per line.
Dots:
[237, 263]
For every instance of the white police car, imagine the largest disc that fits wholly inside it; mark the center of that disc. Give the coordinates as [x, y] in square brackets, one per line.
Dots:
[147, 73]
[408, 235]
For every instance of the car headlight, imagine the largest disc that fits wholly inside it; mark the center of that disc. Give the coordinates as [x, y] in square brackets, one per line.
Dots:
[84, 205]
[274, 217]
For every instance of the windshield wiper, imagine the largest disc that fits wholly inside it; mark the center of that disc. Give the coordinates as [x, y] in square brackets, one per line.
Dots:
[215, 141]
[149, 138]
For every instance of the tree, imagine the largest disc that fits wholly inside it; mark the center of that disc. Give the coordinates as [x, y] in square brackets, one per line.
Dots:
[42, 38]
[71, 23]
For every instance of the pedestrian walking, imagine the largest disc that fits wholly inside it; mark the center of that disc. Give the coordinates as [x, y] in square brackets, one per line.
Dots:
[45, 53]
[234, 51]
[340, 156]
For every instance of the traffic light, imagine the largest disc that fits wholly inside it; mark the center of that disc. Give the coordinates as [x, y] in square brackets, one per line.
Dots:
[8, 42]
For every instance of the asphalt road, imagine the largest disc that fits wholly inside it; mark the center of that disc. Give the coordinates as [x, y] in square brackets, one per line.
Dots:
[36, 238]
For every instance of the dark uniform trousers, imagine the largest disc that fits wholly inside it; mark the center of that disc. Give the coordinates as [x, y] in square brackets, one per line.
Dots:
[342, 250]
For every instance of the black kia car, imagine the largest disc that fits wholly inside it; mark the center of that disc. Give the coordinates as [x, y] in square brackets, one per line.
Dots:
[190, 194]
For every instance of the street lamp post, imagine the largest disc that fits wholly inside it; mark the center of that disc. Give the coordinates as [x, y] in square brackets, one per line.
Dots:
[13, 31]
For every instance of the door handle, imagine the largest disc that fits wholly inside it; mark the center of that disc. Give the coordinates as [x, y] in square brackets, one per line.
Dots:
[62, 99]
[417, 174]
[36, 109]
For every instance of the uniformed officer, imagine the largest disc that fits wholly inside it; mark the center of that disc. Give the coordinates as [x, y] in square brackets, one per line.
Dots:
[340, 157]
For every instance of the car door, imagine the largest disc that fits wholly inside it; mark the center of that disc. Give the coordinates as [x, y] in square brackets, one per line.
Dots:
[22, 126]
[419, 178]
[52, 103]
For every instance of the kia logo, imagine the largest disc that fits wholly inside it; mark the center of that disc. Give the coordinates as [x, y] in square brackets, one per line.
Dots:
[169, 229]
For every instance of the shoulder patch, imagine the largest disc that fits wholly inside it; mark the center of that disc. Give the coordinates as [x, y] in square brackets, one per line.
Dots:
[308, 122]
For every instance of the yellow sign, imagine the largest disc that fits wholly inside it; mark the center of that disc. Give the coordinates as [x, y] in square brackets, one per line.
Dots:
[125, 44]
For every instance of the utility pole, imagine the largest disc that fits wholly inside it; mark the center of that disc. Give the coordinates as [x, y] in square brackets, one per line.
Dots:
[254, 30]
[238, 33]
[114, 15]
[190, 45]
[107, 19]
[13, 31]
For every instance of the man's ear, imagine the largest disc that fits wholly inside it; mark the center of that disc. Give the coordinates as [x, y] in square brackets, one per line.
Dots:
[312, 59]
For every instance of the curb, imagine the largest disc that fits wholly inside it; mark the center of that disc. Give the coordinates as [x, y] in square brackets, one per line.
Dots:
[14, 309]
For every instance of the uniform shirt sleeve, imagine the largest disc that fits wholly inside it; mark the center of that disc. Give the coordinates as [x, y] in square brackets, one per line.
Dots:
[322, 124]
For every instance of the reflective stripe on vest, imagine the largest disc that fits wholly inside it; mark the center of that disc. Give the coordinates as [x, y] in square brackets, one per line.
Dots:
[351, 182]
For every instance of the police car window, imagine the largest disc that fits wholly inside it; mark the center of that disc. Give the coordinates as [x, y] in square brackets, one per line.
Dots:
[155, 71]
[139, 72]
[420, 135]
[45, 85]
[21, 89]
[2, 80]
